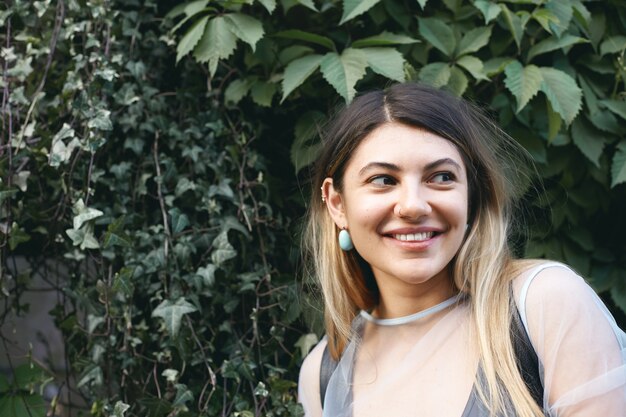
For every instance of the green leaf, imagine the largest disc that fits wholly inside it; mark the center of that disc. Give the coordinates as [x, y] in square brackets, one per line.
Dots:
[422, 3]
[179, 221]
[436, 74]
[222, 249]
[301, 35]
[522, 82]
[564, 94]
[513, 21]
[123, 281]
[618, 167]
[612, 45]
[588, 139]
[207, 273]
[353, 8]
[309, 4]
[115, 235]
[438, 34]
[172, 314]
[17, 235]
[270, 5]
[473, 40]
[343, 71]
[297, 71]
[83, 213]
[120, 409]
[384, 39]
[246, 28]
[305, 343]
[552, 44]
[489, 10]
[495, 66]
[616, 106]
[236, 91]
[387, 62]
[101, 120]
[564, 12]
[305, 148]
[217, 42]
[472, 65]
[458, 81]
[554, 122]
[545, 17]
[191, 38]
[262, 93]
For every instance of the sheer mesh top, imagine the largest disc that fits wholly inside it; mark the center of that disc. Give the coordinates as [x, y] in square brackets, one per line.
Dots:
[429, 366]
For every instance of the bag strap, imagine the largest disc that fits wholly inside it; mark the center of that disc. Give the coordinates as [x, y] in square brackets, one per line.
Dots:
[525, 355]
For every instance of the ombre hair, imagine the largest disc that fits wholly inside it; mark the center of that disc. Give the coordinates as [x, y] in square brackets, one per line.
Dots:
[483, 268]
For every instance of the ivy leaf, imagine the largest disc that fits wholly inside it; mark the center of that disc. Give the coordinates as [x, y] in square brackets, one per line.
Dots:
[297, 71]
[172, 314]
[523, 82]
[353, 8]
[613, 45]
[306, 342]
[120, 409]
[115, 235]
[473, 40]
[178, 220]
[191, 38]
[387, 62]
[552, 44]
[301, 35]
[489, 10]
[222, 249]
[217, 42]
[589, 140]
[83, 213]
[270, 5]
[246, 28]
[616, 106]
[207, 273]
[495, 66]
[343, 71]
[436, 74]
[472, 65]
[438, 34]
[422, 3]
[101, 120]
[618, 167]
[564, 94]
[384, 39]
[544, 17]
[514, 22]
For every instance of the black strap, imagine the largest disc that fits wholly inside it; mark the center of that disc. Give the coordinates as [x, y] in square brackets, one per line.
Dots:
[526, 358]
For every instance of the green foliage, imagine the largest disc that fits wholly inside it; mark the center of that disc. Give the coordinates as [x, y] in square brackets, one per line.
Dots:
[149, 164]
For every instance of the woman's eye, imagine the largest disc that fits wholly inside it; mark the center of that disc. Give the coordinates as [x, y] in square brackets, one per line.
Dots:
[443, 178]
[382, 180]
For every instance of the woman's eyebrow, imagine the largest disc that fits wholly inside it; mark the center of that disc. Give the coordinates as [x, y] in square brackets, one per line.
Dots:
[442, 161]
[383, 165]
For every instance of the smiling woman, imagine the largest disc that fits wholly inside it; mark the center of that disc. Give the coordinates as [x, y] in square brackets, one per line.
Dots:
[425, 307]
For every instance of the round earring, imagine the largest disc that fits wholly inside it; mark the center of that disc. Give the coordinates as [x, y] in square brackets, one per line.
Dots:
[345, 241]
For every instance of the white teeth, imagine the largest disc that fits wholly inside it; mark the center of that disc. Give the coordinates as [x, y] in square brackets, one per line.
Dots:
[415, 237]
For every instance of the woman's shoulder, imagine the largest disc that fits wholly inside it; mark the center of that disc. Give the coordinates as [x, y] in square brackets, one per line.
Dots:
[545, 279]
[309, 380]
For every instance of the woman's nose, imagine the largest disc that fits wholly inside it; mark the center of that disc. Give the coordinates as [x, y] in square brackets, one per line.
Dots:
[413, 203]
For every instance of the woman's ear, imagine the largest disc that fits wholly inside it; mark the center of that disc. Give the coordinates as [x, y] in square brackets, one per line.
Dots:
[334, 203]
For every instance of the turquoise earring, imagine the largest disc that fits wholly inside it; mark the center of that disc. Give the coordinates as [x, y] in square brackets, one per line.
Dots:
[345, 241]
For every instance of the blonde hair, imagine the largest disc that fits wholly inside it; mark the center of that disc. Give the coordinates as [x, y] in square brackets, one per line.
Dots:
[483, 267]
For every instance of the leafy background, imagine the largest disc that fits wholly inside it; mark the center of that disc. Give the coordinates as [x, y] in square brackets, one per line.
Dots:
[153, 163]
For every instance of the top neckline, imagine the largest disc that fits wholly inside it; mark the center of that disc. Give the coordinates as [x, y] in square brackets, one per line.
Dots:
[397, 321]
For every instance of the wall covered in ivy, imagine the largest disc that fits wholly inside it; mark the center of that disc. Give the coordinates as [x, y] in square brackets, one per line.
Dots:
[153, 160]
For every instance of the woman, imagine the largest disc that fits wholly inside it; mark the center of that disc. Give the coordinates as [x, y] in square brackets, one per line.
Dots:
[407, 232]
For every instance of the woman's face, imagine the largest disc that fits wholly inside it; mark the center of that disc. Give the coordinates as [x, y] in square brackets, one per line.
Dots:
[405, 204]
